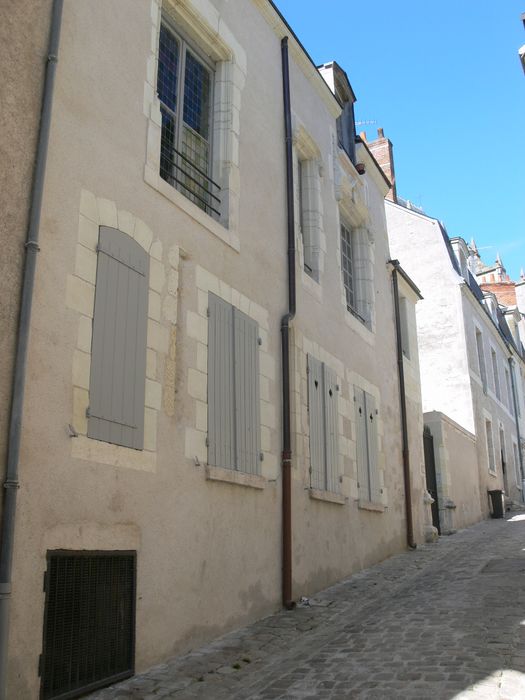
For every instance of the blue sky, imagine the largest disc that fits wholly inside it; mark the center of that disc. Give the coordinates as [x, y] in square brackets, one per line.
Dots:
[445, 82]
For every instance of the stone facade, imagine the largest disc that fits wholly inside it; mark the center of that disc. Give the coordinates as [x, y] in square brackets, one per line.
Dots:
[207, 538]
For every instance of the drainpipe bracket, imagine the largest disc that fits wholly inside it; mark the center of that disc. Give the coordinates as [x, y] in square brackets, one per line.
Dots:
[11, 484]
[32, 245]
[5, 590]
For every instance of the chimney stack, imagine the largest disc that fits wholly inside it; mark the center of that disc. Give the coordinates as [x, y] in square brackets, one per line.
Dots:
[383, 152]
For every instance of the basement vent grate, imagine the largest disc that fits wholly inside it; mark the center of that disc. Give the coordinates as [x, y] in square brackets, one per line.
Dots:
[89, 622]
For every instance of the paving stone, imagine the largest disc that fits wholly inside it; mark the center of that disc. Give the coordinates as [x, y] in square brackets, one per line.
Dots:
[428, 623]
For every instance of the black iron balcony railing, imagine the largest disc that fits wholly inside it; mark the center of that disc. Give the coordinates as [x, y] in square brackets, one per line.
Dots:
[184, 175]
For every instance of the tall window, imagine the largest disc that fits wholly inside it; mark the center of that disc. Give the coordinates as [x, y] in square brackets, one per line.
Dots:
[184, 86]
[310, 214]
[233, 388]
[481, 359]
[516, 463]
[347, 265]
[496, 374]
[323, 418]
[303, 214]
[490, 446]
[509, 391]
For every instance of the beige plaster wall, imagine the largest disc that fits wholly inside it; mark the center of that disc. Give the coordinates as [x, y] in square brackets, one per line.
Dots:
[23, 44]
[457, 474]
[208, 542]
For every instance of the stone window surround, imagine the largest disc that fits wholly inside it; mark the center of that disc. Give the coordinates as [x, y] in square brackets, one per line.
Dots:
[306, 149]
[162, 318]
[346, 425]
[351, 195]
[195, 448]
[208, 30]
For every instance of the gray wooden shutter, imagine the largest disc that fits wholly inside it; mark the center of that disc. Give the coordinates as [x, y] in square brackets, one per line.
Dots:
[221, 424]
[362, 447]
[246, 380]
[371, 437]
[330, 396]
[118, 353]
[316, 421]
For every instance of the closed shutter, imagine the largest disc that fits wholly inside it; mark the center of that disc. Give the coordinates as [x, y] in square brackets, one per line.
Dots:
[246, 378]
[221, 424]
[362, 446]
[331, 418]
[118, 353]
[371, 435]
[316, 421]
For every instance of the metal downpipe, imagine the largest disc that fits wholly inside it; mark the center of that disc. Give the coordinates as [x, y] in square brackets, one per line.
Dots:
[286, 463]
[402, 400]
[15, 425]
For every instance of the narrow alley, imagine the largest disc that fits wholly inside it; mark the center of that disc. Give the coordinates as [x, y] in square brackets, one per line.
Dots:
[445, 621]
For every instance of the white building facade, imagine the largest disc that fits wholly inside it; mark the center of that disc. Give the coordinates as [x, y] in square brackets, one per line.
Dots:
[471, 370]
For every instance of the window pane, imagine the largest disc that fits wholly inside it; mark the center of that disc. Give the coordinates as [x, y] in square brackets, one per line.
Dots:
[167, 145]
[197, 91]
[168, 69]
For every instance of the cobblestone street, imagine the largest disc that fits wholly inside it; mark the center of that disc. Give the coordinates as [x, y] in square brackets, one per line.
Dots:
[446, 621]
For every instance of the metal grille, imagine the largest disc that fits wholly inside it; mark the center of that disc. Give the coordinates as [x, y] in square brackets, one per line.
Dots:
[89, 622]
[347, 265]
[183, 79]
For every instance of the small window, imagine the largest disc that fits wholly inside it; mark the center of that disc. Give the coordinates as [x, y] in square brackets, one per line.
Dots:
[481, 360]
[233, 388]
[490, 446]
[495, 374]
[118, 351]
[323, 417]
[367, 446]
[184, 87]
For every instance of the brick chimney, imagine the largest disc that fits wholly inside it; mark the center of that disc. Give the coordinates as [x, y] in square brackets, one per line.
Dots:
[383, 152]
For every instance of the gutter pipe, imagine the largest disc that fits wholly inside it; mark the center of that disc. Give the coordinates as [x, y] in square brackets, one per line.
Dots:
[11, 484]
[402, 400]
[286, 461]
[516, 415]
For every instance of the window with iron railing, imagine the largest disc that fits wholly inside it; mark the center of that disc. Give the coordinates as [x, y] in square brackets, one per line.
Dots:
[185, 87]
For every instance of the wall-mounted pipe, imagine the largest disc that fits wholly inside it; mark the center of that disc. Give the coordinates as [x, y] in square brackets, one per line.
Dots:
[402, 400]
[286, 462]
[516, 417]
[15, 422]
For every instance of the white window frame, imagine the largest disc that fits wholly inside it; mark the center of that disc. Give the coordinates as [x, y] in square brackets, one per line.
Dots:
[217, 41]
